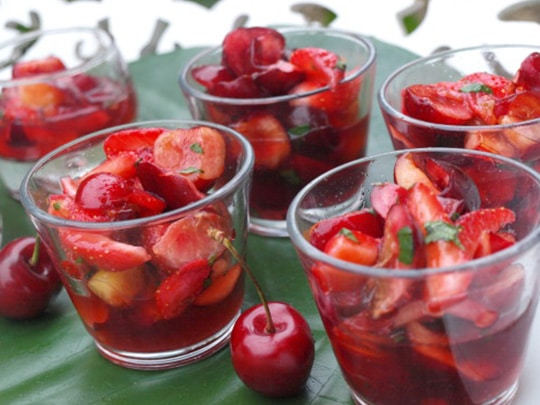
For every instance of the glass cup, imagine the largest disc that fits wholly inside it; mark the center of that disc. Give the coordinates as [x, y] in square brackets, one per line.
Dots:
[391, 346]
[123, 276]
[58, 85]
[510, 137]
[321, 128]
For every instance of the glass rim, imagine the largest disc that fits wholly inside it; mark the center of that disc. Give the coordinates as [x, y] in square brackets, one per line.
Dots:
[202, 95]
[102, 36]
[307, 249]
[241, 175]
[388, 108]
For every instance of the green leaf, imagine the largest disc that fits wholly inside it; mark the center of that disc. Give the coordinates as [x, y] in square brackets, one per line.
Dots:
[476, 88]
[406, 245]
[441, 230]
[412, 16]
[348, 234]
[197, 148]
[314, 13]
[205, 3]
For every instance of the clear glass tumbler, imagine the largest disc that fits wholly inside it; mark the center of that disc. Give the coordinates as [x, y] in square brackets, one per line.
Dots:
[154, 291]
[311, 130]
[395, 342]
[56, 86]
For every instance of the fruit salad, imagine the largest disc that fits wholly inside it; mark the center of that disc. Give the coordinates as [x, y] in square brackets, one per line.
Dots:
[138, 262]
[441, 322]
[481, 111]
[305, 109]
[39, 116]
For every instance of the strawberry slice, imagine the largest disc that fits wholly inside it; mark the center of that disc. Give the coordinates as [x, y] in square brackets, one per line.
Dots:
[487, 220]
[363, 220]
[268, 137]
[50, 64]
[319, 65]
[103, 252]
[220, 286]
[136, 140]
[178, 291]
[353, 246]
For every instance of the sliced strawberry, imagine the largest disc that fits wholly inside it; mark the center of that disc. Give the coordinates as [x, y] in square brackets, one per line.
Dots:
[487, 220]
[123, 165]
[364, 220]
[178, 291]
[269, 139]
[103, 252]
[220, 286]
[197, 153]
[50, 64]
[319, 65]
[342, 98]
[353, 246]
[135, 140]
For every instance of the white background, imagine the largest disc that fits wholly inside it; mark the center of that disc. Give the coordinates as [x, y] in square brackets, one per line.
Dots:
[454, 23]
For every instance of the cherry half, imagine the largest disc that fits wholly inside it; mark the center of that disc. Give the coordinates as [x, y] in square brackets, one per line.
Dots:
[28, 279]
[272, 346]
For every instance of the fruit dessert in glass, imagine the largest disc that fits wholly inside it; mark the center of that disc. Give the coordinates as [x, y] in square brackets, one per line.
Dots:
[125, 214]
[56, 86]
[483, 98]
[302, 96]
[424, 267]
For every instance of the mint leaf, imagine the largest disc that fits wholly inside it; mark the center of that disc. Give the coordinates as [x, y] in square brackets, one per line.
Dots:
[476, 88]
[441, 230]
[406, 245]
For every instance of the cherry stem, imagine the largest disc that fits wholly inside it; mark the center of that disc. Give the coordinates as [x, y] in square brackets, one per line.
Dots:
[220, 237]
[35, 254]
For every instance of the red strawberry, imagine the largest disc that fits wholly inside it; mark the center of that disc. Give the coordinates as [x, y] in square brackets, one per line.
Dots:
[178, 291]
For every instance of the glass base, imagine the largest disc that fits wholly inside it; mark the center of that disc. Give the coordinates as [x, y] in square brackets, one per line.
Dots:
[503, 399]
[12, 173]
[172, 358]
[265, 227]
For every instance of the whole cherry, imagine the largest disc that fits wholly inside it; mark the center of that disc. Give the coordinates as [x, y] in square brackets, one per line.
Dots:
[28, 279]
[272, 346]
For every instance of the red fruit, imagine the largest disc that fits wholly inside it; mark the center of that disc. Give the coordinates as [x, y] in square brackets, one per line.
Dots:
[248, 50]
[268, 137]
[279, 78]
[34, 67]
[273, 363]
[439, 103]
[103, 252]
[26, 288]
[319, 65]
[196, 153]
[210, 75]
[136, 140]
[353, 246]
[528, 75]
[176, 190]
[363, 220]
[179, 290]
